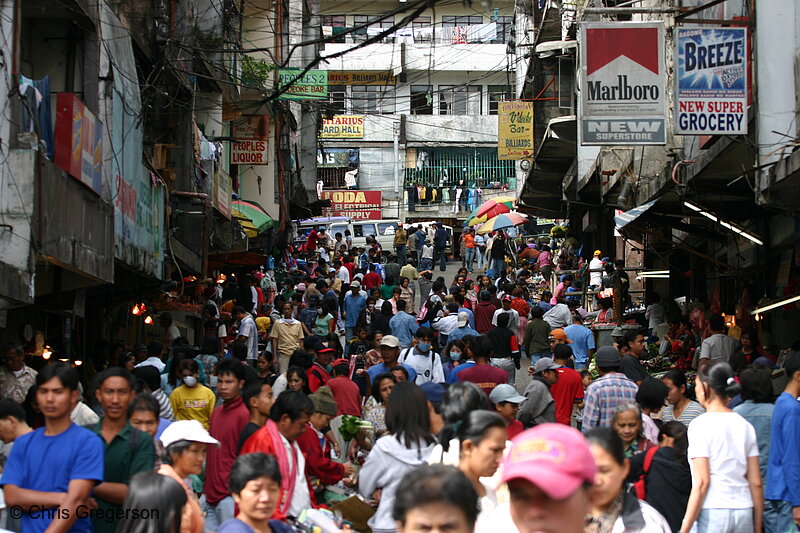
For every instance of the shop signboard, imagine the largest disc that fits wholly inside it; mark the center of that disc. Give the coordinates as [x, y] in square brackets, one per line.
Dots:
[251, 146]
[622, 83]
[711, 81]
[222, 193]
[298, 86]
[514, 129]
[365, 77]
[358, 205]
[343, 127]
[79, 142]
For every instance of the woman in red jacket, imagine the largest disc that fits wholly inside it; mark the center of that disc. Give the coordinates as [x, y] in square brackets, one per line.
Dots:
[321, 470]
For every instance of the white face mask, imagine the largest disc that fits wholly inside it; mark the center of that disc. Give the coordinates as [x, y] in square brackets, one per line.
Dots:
[190, 381]
[455, 355]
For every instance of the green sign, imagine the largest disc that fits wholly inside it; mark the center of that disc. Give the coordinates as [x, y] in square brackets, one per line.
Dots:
[311, 85]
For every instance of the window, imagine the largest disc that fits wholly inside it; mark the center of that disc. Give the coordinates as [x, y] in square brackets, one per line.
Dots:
[337, 23]
[358, 230]
[373, 29]
[386, 228]
[497, 93]
[449, 21]
[337, 96]
[422, 100]
[372, 99]
[459, 100]
[366, 228]
[420, 23]
[504, 25]
[338, 229]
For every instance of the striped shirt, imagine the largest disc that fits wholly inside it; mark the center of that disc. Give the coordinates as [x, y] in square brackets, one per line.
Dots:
[692, 411]
[602, 398]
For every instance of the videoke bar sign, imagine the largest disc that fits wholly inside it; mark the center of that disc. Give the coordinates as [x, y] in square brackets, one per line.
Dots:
[622, 83]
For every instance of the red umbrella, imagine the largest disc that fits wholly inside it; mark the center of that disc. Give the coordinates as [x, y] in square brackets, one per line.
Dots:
[491, 209]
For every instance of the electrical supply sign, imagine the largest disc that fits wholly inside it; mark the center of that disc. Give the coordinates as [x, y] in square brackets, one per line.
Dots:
[514, 130]
[343, 127]
[358, 205]
[622, 83]
[711, 81]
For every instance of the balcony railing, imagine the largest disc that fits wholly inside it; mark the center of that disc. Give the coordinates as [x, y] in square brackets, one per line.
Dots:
[489, 33]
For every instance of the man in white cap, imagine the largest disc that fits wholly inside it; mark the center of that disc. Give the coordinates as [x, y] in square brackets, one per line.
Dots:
[463, 329]
[390, 352]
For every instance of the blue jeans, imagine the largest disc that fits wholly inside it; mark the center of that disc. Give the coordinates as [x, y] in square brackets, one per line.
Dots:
[217, 514]
[442, 258]
[425, 264]
[507, 364]
[536, 356]
[724, 521]
[496, 267]
[349, 333]
[469, 258]
[401, 256]
[778, 517]
[481, 253]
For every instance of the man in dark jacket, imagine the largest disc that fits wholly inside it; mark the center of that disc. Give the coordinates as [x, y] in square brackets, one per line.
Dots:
[440, 239]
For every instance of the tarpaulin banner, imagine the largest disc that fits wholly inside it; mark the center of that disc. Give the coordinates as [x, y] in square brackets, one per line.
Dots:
[711, 81]
[364, 77]
[514, 129]
[622, 83]
[343, 127]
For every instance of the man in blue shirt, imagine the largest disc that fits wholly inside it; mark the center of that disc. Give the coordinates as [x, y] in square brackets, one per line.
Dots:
[403, 325]
[782, 494]
[352, 305]
[463, 329]
[440, 239]
[582, 342]
[51, 471]
[390, 352]
[420, 241]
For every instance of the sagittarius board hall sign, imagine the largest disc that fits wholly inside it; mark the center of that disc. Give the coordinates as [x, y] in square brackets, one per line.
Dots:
[622, 83]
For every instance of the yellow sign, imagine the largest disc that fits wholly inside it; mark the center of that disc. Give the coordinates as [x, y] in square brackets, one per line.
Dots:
[515, 129]
[343, 127]
[364, 77]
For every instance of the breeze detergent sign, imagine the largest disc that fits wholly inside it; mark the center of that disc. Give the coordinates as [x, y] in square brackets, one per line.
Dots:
[711, 81]
[622, 83]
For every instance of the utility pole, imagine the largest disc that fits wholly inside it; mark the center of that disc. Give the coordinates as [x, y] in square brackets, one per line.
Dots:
[309, 110]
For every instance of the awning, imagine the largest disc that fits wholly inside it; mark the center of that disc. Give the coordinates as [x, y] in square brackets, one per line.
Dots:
[230, 259]
[252, 217]
[626, 217]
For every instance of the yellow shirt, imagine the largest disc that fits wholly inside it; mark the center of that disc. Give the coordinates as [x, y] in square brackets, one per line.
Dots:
[193, 403]
[290, 336]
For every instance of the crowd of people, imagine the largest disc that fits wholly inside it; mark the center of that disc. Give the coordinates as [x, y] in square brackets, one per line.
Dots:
[351, 379]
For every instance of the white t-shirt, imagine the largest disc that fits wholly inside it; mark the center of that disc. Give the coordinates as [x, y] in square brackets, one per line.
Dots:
[595, 278]
[727, 440]
[427, 366]
[301, 499]
[248, 329]
[343, 274]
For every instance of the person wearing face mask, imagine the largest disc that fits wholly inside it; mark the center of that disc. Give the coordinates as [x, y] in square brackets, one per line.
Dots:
[192, 401]
[454, 356]
[426, 363]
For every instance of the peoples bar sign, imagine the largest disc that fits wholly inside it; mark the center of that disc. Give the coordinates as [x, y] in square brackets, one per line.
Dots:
[251, 146]
[514, 129]
[622, 83]
[711, 82]
[358, 205]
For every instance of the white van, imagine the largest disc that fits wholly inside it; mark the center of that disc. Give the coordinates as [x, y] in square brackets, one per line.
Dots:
[382, 230]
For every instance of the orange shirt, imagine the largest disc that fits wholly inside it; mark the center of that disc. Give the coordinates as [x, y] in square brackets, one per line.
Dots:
[469, 240]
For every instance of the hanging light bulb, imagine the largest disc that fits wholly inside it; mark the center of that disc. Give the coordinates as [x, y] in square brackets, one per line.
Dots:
[136, 310]
[142, 307]
[148, 320]
[78, 362]
[47, 352]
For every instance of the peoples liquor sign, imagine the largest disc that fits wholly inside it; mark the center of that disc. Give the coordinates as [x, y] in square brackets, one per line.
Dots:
[622, 83]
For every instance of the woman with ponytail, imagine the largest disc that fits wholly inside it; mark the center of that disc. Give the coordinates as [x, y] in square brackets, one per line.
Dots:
[481, 439]
[727, 496]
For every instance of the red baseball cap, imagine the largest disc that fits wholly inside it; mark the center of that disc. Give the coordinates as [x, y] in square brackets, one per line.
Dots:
[554, 457]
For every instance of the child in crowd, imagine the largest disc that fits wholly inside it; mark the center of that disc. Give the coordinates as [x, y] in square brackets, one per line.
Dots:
[506, 401]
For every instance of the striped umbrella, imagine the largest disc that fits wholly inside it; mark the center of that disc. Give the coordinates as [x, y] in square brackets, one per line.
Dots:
[252, 217]
[492, 208]
[506, 220]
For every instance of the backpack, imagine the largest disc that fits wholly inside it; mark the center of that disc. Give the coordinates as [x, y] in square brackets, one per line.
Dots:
[639, 485]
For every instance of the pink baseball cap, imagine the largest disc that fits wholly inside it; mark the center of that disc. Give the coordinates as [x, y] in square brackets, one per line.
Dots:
[554, 457]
